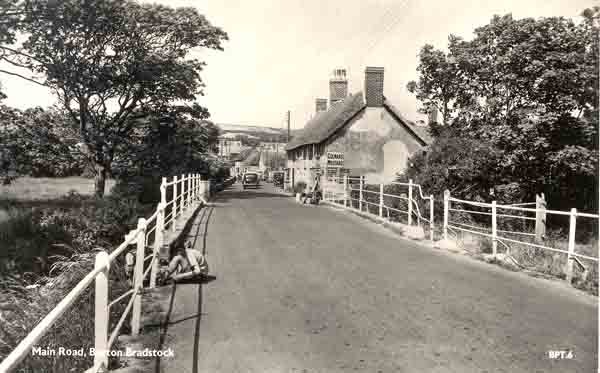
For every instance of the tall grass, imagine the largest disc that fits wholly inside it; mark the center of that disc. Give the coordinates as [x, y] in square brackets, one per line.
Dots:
[52, 246]
[44, 188]
[23, 308]
[536, 260]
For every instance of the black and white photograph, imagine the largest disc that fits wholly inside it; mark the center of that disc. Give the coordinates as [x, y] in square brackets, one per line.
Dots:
[299, 186]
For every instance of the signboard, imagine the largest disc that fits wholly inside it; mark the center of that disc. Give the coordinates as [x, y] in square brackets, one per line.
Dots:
[335, 159]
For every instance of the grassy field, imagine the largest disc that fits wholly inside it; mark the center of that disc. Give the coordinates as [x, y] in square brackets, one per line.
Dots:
[36, 189]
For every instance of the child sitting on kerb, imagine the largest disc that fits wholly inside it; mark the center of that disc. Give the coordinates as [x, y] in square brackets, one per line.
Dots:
[187, 262]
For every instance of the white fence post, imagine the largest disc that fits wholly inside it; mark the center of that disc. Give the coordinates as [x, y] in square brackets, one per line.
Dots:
[192, 187]
[381, 200]
[138, 277]
[202, 189]
[572, 225]
[360, 191]
[174, 207]
[183, 200]
[101, 310]
[195, 187]
[494, 230]
[410, 193]
[189, 195]
[159, 232]
[345, 190]
[184, 196]
[540, 217]
[431, 223]
[198, 187]
[446, 208]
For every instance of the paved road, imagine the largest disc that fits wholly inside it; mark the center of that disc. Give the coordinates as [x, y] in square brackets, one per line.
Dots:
[312, 289]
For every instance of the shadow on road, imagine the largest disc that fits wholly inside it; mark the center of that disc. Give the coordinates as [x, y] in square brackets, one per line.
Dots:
[230, 195]
[203, 220]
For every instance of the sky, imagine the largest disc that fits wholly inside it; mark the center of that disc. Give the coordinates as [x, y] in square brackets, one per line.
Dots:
[281, 52]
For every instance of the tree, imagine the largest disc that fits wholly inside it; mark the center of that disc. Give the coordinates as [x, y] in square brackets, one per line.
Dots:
[528, 88]
[439, 80]
[170, 141]
[108, 61]
[40, 143]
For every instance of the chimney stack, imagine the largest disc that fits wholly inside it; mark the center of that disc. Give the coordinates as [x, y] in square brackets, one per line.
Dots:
[321, 104]
[338, 86]
[374, 86]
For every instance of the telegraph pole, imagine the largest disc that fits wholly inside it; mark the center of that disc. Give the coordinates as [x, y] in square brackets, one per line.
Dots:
[288, 127]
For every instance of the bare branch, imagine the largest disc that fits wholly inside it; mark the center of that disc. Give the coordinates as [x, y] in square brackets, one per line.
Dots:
[23, 77]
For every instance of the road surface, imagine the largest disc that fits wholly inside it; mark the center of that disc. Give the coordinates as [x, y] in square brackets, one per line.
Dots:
[313, 289]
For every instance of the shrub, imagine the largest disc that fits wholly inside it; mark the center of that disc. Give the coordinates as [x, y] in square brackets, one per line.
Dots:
[30, 237]
[146, 189]
[299, 187]
[24, 308]
[57, 244]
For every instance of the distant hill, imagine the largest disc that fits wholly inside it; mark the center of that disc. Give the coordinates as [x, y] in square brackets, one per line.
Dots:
[225, 127]
[252, 135]
[257, 133]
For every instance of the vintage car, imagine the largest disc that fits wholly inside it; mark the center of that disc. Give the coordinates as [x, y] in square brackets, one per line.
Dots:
[250, 179]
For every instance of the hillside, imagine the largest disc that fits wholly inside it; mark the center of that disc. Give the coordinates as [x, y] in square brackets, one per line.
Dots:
[226, 128]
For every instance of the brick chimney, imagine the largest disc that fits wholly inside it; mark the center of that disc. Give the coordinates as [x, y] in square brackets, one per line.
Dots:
[374, 86]
[321, 104]
[338, 86]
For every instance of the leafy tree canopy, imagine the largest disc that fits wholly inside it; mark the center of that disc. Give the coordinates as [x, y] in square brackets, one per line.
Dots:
[528, 88]
[107, 61]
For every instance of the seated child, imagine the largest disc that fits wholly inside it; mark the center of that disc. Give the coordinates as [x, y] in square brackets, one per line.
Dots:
[187, 261]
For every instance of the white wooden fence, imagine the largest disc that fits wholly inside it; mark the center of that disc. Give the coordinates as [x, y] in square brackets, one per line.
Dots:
[339, 191]
[496, 211]
[188, 192]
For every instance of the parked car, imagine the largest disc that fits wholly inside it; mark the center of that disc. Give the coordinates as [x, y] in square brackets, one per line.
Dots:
[250, 179]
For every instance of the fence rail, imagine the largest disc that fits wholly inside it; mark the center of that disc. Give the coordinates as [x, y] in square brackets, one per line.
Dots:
[343, 196]
[539, 216]
[192, 190]
[342, 191]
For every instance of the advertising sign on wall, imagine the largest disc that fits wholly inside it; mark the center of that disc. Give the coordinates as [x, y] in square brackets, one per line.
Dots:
[335, 159]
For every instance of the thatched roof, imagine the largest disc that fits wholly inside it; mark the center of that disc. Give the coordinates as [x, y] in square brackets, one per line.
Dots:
[324, 124]
[252, 158]
[421, 133]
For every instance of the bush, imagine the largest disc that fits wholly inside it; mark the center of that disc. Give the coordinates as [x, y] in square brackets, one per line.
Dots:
[146, 189]
[299, 187]
[23, 308]
[57, 244]
[31, 237]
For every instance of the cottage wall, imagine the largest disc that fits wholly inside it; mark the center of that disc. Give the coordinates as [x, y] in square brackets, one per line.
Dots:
[374, 144]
